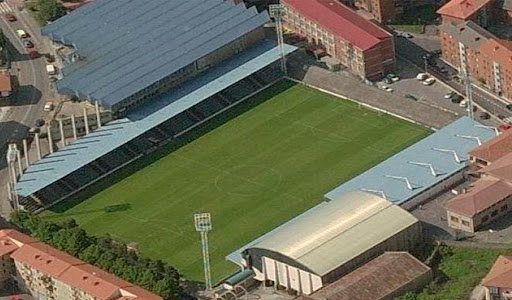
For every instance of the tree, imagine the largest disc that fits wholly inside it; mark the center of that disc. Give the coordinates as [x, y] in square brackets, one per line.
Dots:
[50, 10]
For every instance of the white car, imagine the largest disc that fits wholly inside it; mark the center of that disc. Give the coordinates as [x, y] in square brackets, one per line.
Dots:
[463, 103]
[48, 106]
[393, 77]
[429, 81]
[422, 76]
[449, 95]
[21, 33]
[386, 88]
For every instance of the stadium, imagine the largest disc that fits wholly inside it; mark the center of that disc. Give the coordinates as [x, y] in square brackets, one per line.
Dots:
[206, 121]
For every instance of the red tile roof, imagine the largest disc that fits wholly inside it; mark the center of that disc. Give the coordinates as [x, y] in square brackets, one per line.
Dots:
[89, 282]
[494, 148]
[501, 168]
[6, 246]
[479, 196]
[500, 274]
[462, 9]
[498, 51]
[340, 21]
[5, 82]
[377, 279]
[71, 270]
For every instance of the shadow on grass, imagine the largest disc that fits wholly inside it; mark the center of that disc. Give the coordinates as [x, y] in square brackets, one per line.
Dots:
[106, 209]
[172, 146]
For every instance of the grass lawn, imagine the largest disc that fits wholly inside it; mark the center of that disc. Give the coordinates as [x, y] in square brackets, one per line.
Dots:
[462, 269]
[252, 173]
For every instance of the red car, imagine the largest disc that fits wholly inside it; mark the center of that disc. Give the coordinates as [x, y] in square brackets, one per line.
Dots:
[32, 52]
[10, 17]
[504, 127]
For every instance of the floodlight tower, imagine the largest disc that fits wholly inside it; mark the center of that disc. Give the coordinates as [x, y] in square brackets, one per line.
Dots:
[276, 11]
[203, 223]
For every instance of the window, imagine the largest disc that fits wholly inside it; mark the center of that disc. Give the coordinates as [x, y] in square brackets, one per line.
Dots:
[494, 213]
[504, 207]
[493, 290]
[465, 223]
[485, 218]
[454, 219]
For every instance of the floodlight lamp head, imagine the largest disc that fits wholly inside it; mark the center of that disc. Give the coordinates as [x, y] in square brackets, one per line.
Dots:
[203, 222]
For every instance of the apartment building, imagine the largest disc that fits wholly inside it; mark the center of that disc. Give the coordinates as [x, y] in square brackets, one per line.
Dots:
[467, 45]
[362, 46]
[459, 11]
[47, 273]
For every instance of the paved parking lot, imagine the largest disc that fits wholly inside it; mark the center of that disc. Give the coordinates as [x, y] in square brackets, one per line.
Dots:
[432, 95]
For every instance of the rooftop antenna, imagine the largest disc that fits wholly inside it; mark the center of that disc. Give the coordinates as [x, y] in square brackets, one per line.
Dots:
[457, 159]
[276, 11]
[430, 166]
[381, 193]
[496, 131]
[470, 137]
[405, 179]
[203, 224]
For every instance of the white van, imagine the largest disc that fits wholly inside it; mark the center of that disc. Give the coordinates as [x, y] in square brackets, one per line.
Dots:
[50, 70]
[21, 33]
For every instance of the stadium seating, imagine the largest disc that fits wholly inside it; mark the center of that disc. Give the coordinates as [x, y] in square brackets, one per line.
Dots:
[152, 138]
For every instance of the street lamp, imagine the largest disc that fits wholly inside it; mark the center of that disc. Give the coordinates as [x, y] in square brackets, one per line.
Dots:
[425, 61]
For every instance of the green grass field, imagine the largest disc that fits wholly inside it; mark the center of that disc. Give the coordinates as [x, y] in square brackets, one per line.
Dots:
[254, 172]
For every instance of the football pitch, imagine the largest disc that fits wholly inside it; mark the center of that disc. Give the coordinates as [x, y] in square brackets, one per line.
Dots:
[255, 171]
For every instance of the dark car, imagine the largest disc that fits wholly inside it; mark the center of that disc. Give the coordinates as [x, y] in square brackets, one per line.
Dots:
[508, 106]
[28, 44]
[40, 122]
[456, 99]
[10, 17]
[485, 116]
[411, 97]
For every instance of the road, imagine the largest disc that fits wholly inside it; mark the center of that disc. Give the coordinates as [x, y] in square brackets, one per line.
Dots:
[411, 51]
[34, 86]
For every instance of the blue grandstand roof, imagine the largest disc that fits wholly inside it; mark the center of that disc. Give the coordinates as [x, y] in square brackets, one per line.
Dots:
[458, 136]
[116, 133]
[127, 45]
[399, 165]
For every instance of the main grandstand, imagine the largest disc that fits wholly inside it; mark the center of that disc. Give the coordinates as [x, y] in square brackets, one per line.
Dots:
[162, 68]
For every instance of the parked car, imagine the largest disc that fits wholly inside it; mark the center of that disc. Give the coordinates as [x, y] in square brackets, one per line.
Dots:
[48, 106]
[422, 76]
[464, 103]
[508, 106]
[32, 52]
[429, 81]
[456, 99]
[393, 77]
[485, 116]
[28, 44]
[449, 95]
[504, 127]
[10, 17]
[40, 122]
[411, 97]
[387, 80]
[386, 88]
[21, 33]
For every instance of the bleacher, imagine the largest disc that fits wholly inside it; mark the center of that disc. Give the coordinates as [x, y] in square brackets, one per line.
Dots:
[143, 138]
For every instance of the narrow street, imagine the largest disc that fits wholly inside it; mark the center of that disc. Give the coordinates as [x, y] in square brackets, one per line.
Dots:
[33, 87]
